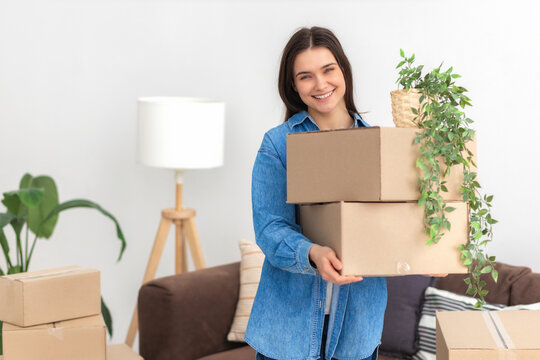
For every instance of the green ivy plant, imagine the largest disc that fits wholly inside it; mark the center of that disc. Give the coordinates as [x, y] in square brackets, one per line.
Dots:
[34, 208]
[445, 133]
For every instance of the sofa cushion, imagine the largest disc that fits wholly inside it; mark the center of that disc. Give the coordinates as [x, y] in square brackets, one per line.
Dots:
[241, 353]
[250, 274]
[499, 293]
[405, 299]
[441, 300]
[526, 289]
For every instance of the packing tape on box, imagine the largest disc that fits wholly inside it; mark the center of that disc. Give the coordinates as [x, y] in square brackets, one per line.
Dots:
[56, 332]
[500, 335]
[21, 276]
[403, 267]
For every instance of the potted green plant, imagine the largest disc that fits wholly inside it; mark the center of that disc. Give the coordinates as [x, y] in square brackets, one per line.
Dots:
[437, 110]
[34, 208]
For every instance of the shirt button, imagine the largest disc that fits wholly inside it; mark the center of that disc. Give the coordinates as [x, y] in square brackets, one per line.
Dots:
[306, 268]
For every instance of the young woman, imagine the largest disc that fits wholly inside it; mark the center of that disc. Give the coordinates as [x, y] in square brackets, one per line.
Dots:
[304, 309]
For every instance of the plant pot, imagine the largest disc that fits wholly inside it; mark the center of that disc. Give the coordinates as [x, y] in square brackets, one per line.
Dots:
[402, 102]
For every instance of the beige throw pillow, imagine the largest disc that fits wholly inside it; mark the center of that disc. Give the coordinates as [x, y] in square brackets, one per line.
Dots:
[250, 273]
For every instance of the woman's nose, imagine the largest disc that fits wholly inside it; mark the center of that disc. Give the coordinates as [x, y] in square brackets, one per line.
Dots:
[321, 83]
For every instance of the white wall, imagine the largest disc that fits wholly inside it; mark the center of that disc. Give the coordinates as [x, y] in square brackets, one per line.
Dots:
[70, 73]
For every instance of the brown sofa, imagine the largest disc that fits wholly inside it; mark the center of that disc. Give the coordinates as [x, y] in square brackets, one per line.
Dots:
[188, 316]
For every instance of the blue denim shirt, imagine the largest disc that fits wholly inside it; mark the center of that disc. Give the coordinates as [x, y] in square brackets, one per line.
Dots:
[287, 317]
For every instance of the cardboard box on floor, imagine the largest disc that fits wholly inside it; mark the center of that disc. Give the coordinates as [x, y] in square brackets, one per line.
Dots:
[121, 352]
[385, 239]
[81, 339]
[363, 164]
[483, 335]
[45, 296]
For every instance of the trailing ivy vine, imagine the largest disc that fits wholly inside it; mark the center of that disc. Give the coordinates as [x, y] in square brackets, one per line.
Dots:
[443, 143]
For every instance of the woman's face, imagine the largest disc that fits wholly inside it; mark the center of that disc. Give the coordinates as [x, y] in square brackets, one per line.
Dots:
[319, 81]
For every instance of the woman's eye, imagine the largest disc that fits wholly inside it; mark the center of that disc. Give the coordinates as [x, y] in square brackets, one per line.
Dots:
[329, 69]
[304, 77]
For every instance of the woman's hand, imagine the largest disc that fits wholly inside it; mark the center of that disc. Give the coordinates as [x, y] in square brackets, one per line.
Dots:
[328, 265]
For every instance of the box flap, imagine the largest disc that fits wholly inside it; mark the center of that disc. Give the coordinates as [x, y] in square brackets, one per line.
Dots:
[522, 327]
[32, 275]
[11, 327]
[465, 330]
[89, 321]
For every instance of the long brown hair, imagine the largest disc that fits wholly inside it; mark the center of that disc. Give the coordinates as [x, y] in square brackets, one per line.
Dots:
[303, 39]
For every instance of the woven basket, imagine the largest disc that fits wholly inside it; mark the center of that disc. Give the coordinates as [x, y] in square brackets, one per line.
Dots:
[402, 102]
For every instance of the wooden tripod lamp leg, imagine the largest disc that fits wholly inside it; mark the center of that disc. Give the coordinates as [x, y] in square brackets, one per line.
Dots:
[194, 243]
[151, 268]
[181, 256]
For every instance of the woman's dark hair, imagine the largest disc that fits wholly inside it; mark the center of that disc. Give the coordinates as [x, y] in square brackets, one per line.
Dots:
[303, 39]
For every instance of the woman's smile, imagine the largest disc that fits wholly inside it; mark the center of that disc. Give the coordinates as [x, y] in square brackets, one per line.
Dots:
[325, 96]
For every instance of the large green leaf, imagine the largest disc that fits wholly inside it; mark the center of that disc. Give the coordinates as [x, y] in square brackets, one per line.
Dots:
[38, 213]
[106, 317]
[26, 181]
[6, 219]
[30, 197]
[13, 203]
[5, 247]
[82, 203]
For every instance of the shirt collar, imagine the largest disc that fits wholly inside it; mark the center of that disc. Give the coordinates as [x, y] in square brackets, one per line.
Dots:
[303, 115]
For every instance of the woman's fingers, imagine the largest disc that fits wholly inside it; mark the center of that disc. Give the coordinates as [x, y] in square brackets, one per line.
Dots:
[334, 261]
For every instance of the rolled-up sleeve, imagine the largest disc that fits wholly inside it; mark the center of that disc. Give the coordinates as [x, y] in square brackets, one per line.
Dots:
[276, 230]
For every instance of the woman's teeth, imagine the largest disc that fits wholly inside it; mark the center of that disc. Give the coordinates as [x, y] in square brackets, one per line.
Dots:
[324, 96]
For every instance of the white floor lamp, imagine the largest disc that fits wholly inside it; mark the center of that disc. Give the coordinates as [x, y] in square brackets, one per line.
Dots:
[178, 133]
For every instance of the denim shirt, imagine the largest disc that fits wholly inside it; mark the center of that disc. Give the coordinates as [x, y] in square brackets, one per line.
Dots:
[287, 317]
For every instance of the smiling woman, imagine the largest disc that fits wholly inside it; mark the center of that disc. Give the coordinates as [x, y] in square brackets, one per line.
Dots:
[304, 308]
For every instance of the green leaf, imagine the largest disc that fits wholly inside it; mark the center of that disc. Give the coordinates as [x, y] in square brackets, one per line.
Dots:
[401, 53]
[495, 275]
[107, 318]
[15, 269]
[467, 262]
[475, 225]
[13, 203]
[30, 197]
[49, 202]
[449, 209]
[5, 219]
[25, 182]
[82, 203]
[5, 247]
[486, 269]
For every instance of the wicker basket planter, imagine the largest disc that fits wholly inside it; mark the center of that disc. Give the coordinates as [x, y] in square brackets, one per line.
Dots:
[402, 102]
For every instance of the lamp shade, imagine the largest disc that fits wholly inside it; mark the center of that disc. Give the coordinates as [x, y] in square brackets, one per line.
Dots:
[180, 133]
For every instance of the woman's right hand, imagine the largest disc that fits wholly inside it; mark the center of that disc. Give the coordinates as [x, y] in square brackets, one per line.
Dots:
[328, 265]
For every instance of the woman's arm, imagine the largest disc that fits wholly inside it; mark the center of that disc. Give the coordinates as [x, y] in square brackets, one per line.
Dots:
[276, 230]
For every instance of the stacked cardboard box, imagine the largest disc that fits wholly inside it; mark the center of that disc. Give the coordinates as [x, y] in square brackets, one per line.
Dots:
[53, 314]
[358, 194]
[482, 335]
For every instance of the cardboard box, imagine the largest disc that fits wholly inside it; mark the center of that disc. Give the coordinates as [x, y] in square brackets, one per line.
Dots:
[45, 296]
[483, 335]
[385, 239]
[121, 352]
[81, 339]
[363, 164]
